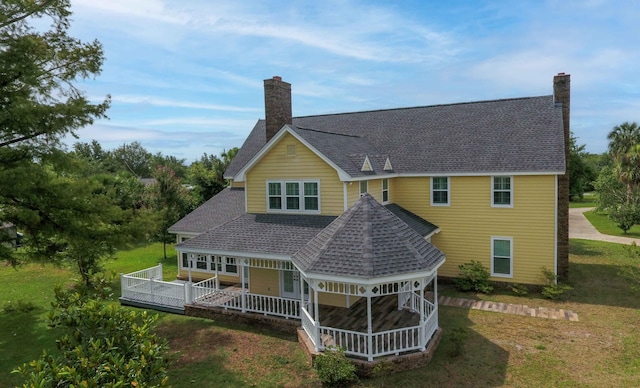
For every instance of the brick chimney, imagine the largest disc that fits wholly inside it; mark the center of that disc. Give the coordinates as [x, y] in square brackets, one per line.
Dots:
[562, 95]
[277, 105]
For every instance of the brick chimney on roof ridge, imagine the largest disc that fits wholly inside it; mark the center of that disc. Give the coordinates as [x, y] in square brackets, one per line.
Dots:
[277, 105]
[562, 96]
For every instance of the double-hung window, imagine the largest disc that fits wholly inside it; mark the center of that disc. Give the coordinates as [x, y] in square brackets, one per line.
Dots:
[293, 196]
[385, 190]
[225, 265]
[502, 256]
[502, 191]
[440, 191]
[364, 187]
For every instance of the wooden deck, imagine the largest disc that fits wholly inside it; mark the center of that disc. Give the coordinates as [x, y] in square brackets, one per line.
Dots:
[384, 315]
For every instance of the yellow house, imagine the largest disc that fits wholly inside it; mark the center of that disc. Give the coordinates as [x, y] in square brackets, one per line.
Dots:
[347, 214]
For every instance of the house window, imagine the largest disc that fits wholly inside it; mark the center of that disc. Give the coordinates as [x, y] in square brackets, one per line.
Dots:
[502, 191]
[440, 191]
[293, 196]
[201, 261]
[385, 190]
[502, 256]
[185, 257]
[225, 265]
[364, 187]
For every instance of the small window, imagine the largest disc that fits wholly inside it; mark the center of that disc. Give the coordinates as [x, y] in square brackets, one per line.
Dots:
[440, 191]
[502, 256]
[364, 188]
[230, 265]
[385, 190]
[275, 195]
[293, 195]
[311, 198]
[502, 191]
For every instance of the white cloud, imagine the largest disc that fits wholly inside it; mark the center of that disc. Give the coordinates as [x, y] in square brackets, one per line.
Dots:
[162, 102]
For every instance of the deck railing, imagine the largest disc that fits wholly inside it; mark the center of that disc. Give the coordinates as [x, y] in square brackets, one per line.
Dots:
[235, 299]
[204, 289]
[147, 286]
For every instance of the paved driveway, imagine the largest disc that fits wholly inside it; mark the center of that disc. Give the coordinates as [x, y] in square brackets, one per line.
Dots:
[580, 227]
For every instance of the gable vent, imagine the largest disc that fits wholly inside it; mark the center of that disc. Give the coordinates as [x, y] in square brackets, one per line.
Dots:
[387, 165]
[366, 166]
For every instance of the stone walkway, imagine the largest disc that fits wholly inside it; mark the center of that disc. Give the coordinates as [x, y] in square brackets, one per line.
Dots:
[507, 308]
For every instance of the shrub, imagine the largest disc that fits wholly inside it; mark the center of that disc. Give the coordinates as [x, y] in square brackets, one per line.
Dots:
[519, 289]
[19, 306]
[552, 288]
[474, 277]
[334, 368]
[458, 337]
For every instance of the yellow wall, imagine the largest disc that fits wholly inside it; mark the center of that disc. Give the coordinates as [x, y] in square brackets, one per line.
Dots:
[237, 184]
[468, 224]
[264, 281]
[198, 276]
[374, 187]
[277, 165]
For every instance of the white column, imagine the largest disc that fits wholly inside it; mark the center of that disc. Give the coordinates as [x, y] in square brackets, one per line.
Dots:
[190, 264]
[435, 289]
[244, 296]
[316, 317]
[301, 295]
[369, 328]
[423, 334]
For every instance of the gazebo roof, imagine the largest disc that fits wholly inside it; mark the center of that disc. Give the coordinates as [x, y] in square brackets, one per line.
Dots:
[367, 241]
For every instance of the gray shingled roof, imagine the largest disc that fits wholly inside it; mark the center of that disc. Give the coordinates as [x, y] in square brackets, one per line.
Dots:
[221, 208]
[511, 135]
[275, 234]
[417, 223]
[367, 241]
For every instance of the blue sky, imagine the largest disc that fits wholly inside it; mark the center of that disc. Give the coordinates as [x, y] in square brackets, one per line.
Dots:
[186, 76]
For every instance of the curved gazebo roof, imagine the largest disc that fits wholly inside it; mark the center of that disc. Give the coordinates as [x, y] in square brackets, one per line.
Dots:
[366, 242]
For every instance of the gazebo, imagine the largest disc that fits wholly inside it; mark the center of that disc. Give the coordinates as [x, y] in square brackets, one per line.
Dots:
[378, 264]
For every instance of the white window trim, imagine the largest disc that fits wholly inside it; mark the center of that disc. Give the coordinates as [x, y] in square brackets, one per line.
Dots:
[210, 260]
[383, 190]
[448, 192]
[301, 196]
[510, 190]
[502, 275]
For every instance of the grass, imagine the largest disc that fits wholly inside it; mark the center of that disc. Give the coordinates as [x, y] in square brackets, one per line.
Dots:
[588, 200]
[603, 348]
[604, 225]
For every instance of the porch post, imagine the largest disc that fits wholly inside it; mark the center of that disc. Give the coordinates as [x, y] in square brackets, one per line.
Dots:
[369, 328]
[190, 263]
[435, 289]
[215, 265]
[244, 296]
[423, 334]
[301, 295]
[316, 317]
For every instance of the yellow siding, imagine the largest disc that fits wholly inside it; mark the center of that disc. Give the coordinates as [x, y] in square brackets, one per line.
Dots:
[264, 281]
[468, 224]
[374, 188]
[237, 184]
[198, 276]
[277, 165]
[329, 299]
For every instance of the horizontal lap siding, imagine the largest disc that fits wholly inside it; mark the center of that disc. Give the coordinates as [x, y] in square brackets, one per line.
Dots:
[468, 224]
[277, 165]
[330, 299]
[197, 276]
[264, 281]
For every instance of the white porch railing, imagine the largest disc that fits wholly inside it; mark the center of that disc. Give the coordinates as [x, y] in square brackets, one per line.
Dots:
[404, 295]
[235, 299]
[205, 289]
[147, 286]
[382, 343]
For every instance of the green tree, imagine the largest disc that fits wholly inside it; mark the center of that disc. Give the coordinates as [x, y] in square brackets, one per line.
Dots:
[104, 345]
[39, 104]
[170, 200]
[134, 158]
[207, 174]
[581, 173]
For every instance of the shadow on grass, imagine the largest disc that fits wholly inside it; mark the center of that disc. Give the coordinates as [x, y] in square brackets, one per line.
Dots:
[478, 363]
[584, 248]
[23, 331]
[603, 284]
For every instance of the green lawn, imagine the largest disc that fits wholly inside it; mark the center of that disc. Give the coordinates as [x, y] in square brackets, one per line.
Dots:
[589, 200]
[604, 225]
[602, 349]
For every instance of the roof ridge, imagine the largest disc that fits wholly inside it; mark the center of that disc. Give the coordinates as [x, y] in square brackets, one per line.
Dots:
[425, 106]
[327, 132]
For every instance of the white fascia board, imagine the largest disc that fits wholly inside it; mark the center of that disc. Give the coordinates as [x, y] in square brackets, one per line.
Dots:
[240, 176]
[488, 173]
[184, 233]
[431, 234]
[251, 255]
[371, 281]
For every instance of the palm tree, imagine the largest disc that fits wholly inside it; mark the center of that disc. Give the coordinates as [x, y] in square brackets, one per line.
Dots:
[622, 138]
